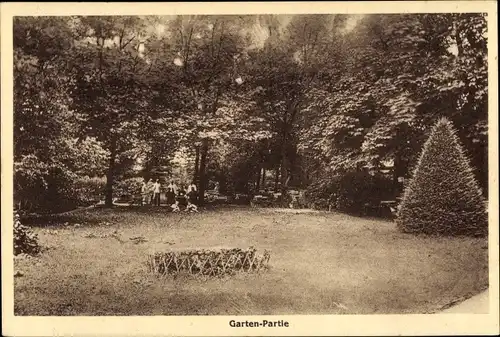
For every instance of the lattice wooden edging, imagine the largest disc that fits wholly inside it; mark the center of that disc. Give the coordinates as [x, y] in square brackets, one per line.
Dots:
[209, 262]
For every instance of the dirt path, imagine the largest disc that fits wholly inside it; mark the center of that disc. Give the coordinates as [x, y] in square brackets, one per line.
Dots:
[478, 304]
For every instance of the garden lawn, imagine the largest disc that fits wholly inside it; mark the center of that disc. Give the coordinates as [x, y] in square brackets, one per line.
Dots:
[321, 263]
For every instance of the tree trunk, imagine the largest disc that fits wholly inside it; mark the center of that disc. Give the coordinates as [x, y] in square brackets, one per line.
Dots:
[276, 177]
[284, 170]
[196, 165]
[110, 175]
[263, 178]
[257, 185]
[201, 172]
[148, 167]
[395, 174]
[458, 41]
[399, 170]
[284, 162]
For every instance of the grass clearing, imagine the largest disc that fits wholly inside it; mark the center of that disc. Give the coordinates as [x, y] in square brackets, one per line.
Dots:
[321, 263]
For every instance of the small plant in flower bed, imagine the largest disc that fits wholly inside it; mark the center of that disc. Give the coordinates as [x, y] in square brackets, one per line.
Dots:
[25, 240]
[209, 262]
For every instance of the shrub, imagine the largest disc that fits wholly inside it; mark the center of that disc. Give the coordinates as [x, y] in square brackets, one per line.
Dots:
[88, 190]
[128, 187]
[25, 240]
[39, 187]
[44, 188]
[355, 192]
[58, 190]
[443, 197]
[59, 195]
[320, 192]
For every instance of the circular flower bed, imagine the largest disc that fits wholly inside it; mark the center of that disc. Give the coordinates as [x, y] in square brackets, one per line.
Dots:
[209, 262]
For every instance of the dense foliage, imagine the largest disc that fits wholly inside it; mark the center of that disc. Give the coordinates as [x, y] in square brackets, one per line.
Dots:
[401, 73]
[287, 101]
[443, 196]
[357, 192]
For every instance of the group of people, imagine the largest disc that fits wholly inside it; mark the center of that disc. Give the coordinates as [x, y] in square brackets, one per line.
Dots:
[175, 196]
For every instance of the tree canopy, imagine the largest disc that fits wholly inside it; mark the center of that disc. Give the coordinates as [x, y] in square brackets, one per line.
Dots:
[304, 96]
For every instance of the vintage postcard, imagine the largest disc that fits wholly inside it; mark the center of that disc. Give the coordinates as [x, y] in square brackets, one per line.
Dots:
[249, 169]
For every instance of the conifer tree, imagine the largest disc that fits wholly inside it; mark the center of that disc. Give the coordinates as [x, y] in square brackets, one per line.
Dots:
[443, 196]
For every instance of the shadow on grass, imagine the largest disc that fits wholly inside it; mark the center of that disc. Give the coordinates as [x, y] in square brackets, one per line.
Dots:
[59, 220]
[97, 215]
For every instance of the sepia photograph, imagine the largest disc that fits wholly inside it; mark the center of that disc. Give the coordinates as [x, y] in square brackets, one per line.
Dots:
[256, 166]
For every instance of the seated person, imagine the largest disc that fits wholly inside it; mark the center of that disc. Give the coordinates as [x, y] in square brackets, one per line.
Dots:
[191, 207]
[175, 207]
[181, 197]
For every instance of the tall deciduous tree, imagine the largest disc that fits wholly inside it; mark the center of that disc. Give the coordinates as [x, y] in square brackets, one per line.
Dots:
[210, 52]
[401, 72]
[47, 155]
[109, 89]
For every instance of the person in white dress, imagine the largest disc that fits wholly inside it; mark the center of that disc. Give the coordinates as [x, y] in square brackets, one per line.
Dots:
[144, 191]
[156, 191]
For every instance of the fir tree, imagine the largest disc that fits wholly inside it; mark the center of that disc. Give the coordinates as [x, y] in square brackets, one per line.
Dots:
[443, 196]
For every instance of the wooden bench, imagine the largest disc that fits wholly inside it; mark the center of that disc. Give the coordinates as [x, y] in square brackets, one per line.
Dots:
[391, 205]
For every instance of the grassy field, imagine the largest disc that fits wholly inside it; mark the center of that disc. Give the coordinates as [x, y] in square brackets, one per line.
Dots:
[321, 263]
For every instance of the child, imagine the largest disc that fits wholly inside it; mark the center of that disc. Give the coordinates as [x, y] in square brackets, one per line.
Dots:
[175, 207]
[191, 207]
[181, 197]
